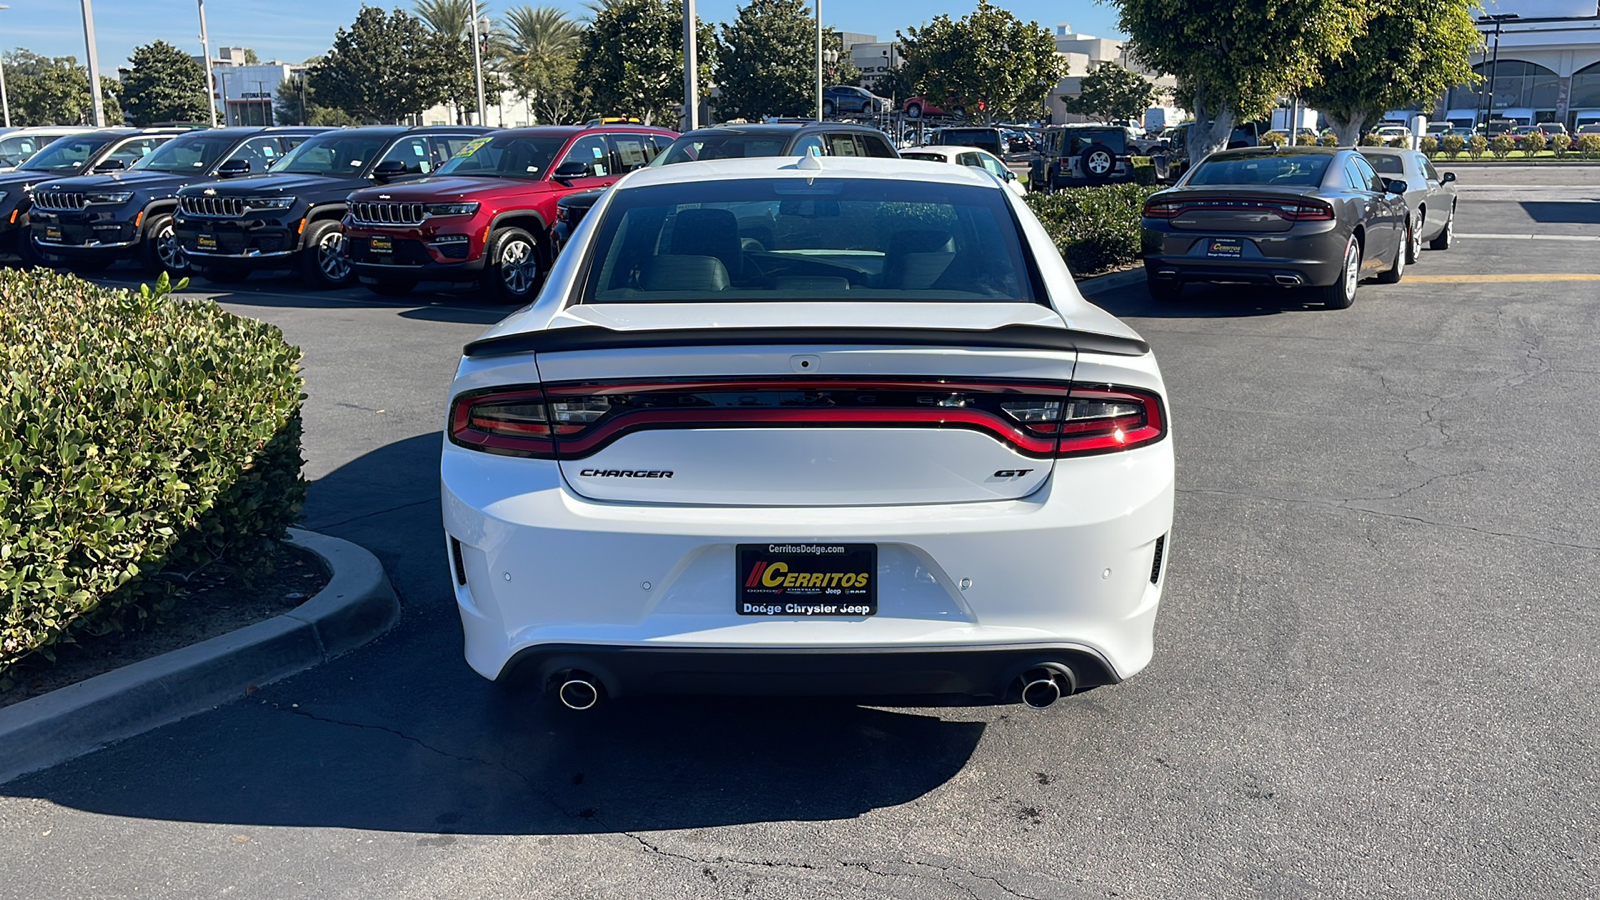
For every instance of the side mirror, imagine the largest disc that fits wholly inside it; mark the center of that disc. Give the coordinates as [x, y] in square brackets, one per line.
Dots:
[570, 170]
[1010, 175]
[1394, 186]
[110, 165]
[389, 169]
[1448, 177]
[233, 168]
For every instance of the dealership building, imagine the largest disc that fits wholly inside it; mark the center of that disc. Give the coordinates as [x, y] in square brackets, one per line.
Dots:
[1546, 67]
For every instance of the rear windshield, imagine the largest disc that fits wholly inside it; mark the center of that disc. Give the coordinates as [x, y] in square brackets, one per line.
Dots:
[1387, 165]
[335, 154]
[504, 157]
[925, 157]
[807, 240]
[1285, 171]
[722, 146]
[987, 138]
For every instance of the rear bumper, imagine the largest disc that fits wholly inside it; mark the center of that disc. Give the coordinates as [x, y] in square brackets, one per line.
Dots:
[974, 671]
[1304, 259]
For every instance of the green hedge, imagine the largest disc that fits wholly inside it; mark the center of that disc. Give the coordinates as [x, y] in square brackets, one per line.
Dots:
[1095, 228]
[142, 439]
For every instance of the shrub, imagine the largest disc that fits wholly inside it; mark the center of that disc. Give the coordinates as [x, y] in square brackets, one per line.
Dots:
[1430, 145]
[1094, 228]
[1452, 145]
[1398, 142]
[1144, 170]
[141, 440]
[1502, 145]
[1274, 138]
[1589, 145]
[1476, 145]
[1329, 139]
[1532, 143]
[1305, 139]
[1371, 139]
[1560, 144]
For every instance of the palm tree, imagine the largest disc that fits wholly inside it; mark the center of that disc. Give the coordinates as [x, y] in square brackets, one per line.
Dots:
[450, 18]
[538, 46]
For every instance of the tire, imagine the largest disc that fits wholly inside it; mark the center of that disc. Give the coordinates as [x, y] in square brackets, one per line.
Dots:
[323, 262]
[159, 250]
[29, 252]
[513, 266]
[1166, 290]
[1342, 293]
[1098, 162]
[913, 110]
[224, 274]
[827, 108]
[390, 287]
[1445, 238]
[1414, 246]
[1398, 270]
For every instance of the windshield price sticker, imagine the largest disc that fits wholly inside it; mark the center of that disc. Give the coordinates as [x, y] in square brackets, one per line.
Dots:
[807, 580]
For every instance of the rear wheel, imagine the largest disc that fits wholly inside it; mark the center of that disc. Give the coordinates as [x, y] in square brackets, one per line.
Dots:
[1414, 244]
[1398, 270]
[513, 267]
[1165, 290]
[390, 287]
[827, 108]
[1445, 238]
[323, 262]
[1342, 292]
[159, 251]
[913, 110]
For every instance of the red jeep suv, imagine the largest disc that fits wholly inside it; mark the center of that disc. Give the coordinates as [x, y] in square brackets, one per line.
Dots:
[486, 214]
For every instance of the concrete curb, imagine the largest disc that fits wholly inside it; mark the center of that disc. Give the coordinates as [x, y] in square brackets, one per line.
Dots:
[1102, 283]
[357, 605]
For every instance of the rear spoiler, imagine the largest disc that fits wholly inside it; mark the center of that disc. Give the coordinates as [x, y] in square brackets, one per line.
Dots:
[593, 337]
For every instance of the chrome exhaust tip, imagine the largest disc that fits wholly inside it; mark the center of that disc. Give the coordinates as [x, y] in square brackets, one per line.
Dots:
[578, 691]
[1045, 684]
[1288, 280]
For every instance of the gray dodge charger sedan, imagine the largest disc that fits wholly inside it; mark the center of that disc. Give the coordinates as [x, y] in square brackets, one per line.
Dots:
[1316, 218]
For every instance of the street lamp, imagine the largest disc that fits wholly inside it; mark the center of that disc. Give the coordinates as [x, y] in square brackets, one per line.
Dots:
[1494, 66]
[819, 60]
[94, 65]
[4, 103]
[211, 79]
[477, 60]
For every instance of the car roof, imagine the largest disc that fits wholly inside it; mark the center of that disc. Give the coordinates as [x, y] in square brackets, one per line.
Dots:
[1386, 151]
[787, 167]
[781, 128]
[1254, 152]
[569, 130]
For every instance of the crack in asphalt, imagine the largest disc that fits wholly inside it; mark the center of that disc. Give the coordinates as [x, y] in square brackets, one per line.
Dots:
[946, 871]
[367, 515]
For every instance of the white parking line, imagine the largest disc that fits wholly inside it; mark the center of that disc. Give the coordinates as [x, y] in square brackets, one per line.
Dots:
[1532, 237]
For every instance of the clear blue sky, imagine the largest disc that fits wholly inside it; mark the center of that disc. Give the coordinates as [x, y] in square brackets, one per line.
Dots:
[293, 30]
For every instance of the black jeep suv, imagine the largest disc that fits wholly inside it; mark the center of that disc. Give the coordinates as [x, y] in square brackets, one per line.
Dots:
[290, 217]
[740, 142]
[91, 151]
[91, 221]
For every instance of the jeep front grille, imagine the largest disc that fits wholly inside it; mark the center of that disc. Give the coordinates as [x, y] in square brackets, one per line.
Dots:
[366, 213]
[213, 207]
[60, 201]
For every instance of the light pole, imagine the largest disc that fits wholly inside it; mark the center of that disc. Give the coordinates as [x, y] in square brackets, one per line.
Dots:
[819, 60]
[94, 65]
[477, 60]
[4, 103]
[691, 69]
[1494, 66]
[211, 79]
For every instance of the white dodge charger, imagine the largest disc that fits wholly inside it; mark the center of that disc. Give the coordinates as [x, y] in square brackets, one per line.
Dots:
[814, 426]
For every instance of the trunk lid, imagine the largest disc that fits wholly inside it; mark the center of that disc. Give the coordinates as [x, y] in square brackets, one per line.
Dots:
[1236, 210]
[804, 423]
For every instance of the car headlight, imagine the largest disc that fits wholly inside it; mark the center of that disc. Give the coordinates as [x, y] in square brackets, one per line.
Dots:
[113, 197]
[268, 202]
[452, 209]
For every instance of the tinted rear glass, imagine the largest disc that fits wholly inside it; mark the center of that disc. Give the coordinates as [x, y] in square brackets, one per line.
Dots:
[505, 157]
[1283, 171]
[793, 239]
[987, 138]
[722, 146]
[1387, 165]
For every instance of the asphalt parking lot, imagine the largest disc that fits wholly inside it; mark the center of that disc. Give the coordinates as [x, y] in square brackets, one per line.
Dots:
[1375, 672]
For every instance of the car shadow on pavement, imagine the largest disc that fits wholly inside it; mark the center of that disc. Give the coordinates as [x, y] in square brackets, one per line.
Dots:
[1205, 301]
[1578, 212]
[402, 736]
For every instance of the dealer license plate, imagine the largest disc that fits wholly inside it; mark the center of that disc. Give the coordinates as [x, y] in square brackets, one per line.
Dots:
[807, 579]
[206, 242]
[1226, 249]
[52, 233]
[381, 245]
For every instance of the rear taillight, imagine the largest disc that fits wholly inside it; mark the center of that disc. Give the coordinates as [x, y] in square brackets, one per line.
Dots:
[1306, 212]
[1160, 210]
[577, 420]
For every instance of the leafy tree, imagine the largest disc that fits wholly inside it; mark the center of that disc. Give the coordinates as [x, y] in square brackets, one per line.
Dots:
[44, 90]
[1232, 64]
[297, 103]
[450, 22]
[632, 57]
[1411, 51]
[538, 49]
[1113, 94]
[383, 69]
[250, 57]
[164, 85]
[988, 62]
[766, 61]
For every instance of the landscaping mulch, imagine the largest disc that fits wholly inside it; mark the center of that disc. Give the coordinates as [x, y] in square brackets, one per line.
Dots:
[208, 606]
